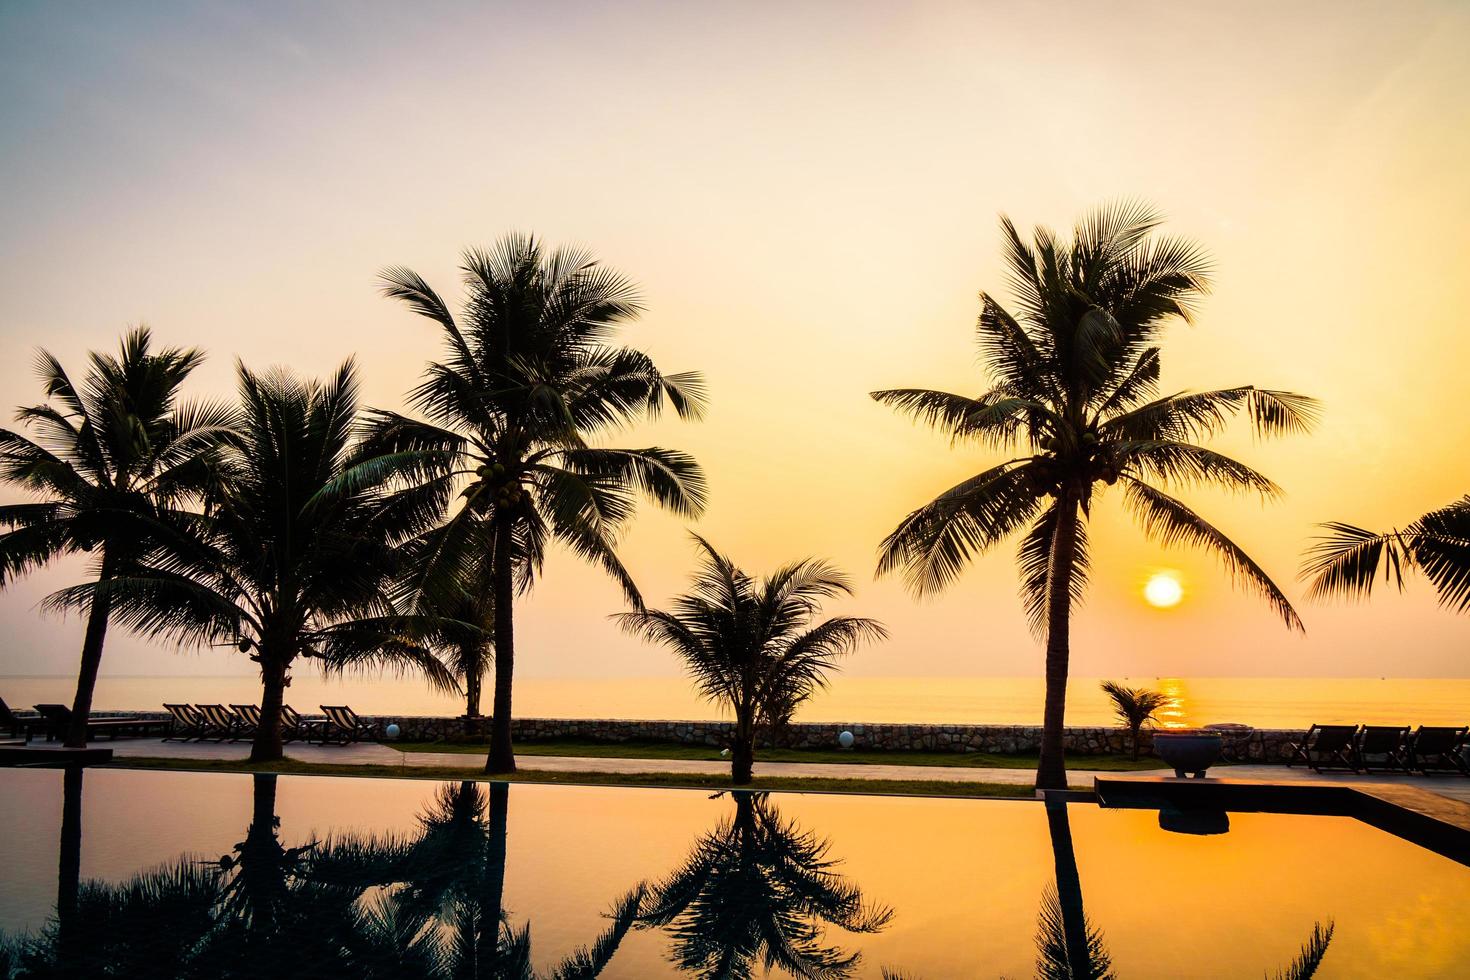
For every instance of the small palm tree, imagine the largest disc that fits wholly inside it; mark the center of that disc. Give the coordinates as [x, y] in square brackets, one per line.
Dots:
[750, 645]
[1346, 562]
[302, 549]
[1135, 707]
[116, 461]
[530, 376]
[463, 641]
[1073, 398]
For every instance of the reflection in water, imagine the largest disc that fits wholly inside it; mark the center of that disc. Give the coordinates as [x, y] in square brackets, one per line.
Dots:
[352, 905]
[759, 887]
[1070, 947]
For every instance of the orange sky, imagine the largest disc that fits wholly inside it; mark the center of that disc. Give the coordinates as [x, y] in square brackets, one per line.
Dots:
[807, 194]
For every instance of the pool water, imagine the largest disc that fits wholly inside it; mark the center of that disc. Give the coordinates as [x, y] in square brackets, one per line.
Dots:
[160, 874]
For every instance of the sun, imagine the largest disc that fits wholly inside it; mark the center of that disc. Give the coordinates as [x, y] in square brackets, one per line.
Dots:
[1163, 590]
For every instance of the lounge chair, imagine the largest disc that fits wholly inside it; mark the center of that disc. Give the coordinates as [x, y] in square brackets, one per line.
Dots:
[221, 722]
[1389, 741]
[1434, 750]
[343, 725]
[1326, 747]
[296, 728]
[249, 715]
[188, 722]
[17, 727]
[57, 720]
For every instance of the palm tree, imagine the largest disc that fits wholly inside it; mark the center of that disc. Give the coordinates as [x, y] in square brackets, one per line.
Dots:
[1346, 561]
[302, 548]
[116, 461]
[750, 645]
[530, 375]
[1135, 707]
[760, 887]
[463, 640]
[1073, 398]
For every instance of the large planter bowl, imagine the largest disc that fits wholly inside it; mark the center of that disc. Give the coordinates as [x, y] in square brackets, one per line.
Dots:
[1189, 751]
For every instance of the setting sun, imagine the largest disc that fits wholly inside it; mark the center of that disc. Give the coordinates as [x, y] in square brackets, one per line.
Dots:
[1163, 590]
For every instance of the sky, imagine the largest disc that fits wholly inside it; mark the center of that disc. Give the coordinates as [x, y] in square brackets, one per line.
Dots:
[807, 194]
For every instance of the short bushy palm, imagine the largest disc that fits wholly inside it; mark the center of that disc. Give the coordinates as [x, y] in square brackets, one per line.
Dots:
[1347, 560]
[530, 377]
[1135, 707]
[303, 548]
[117, 462]
[751, 645]
[1073, 399]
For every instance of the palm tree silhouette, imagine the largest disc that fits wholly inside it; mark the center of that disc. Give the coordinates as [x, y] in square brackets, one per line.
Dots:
[1346, 561]
[1073, 390]
[116, 461]
[758, 887]
[750, 645]
[529, 376]
[302, 548]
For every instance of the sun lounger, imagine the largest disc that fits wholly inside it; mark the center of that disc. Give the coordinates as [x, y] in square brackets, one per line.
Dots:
[343, 725]
[296, 728]
[57, 720]
[17, 727]
[221, 722]
[1434, 750]
[1391, 742]
[249, 715]
[1326, 747]
[188, 722]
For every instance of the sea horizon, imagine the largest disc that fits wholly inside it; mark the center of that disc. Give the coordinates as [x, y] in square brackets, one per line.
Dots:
[1264, 702]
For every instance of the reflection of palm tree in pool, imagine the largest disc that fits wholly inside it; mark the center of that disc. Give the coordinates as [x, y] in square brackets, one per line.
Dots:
[349, 905]
[1070, 947]
[759, 887]
[453, 894]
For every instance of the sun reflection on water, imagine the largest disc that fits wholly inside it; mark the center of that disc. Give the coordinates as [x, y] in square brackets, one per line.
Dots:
[1173, 713]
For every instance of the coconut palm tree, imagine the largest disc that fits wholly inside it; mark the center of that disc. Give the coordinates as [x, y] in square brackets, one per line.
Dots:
[1072, 399]
[116, 460]
[1346, 561]
[302, 549]
[750, 644]
[530, 375]
[1135, 707]
[758, 887]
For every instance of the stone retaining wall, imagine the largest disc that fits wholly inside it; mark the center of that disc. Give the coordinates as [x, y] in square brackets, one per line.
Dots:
[1261, 745]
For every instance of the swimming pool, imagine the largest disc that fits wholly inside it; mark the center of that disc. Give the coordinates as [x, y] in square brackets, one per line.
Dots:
[160, 874]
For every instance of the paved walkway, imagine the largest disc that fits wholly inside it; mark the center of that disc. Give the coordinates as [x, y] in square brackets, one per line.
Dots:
[370, 753]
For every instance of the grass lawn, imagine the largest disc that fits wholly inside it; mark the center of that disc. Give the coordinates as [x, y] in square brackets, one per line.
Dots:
[587, 749]
[863, 787]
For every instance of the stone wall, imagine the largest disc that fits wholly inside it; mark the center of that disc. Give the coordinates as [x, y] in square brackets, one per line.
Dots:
[1261, 745]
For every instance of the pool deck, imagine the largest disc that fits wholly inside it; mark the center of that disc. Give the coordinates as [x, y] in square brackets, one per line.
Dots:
[371, 753]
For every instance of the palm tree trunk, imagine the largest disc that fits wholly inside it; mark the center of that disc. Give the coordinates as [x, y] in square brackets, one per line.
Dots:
[474, 677]
[742, 753]
[69, 873]
[502, 756]
[1051, 771]
[492, 885]
[1069, 890]
[267, 746]
[81, 706]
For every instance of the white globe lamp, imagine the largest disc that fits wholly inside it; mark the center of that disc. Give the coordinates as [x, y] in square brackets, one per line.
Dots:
[392, 730]
[845, 740]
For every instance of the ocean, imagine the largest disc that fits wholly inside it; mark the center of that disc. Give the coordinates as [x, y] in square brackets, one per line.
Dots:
[1265, 702]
